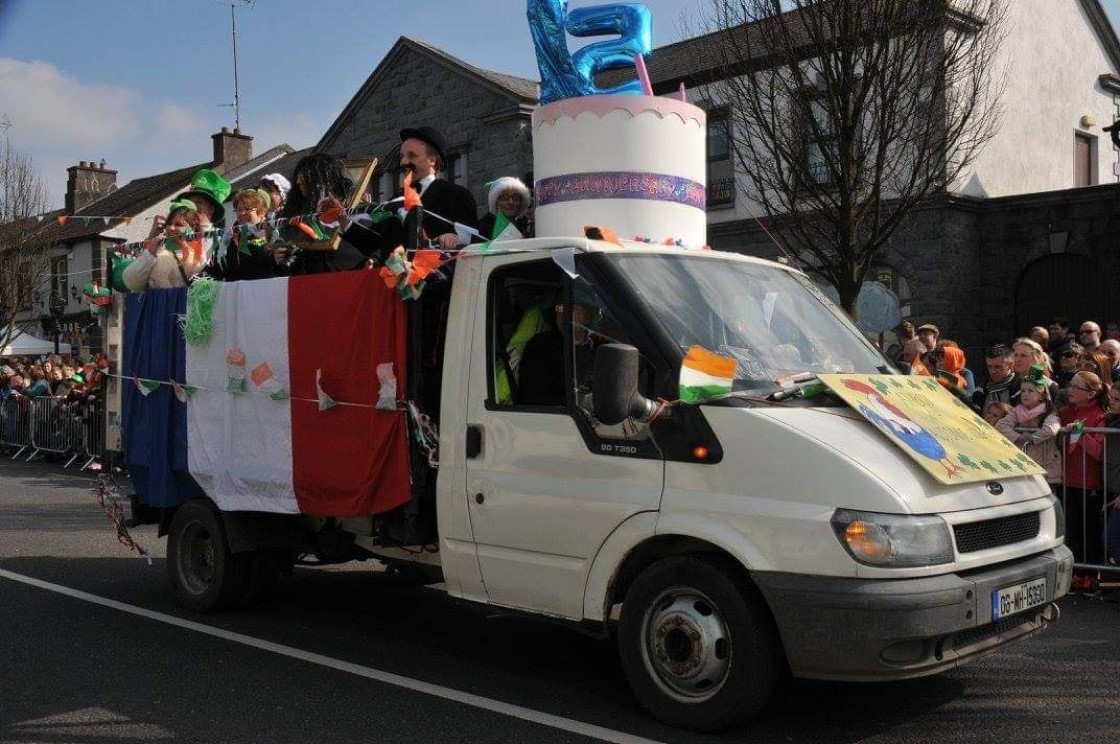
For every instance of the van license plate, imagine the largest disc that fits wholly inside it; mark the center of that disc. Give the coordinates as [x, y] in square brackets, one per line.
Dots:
[1012, 599]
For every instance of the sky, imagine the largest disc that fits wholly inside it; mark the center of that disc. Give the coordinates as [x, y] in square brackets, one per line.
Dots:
[139, 83]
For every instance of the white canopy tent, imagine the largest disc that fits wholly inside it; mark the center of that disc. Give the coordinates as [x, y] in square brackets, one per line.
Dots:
[28, 345]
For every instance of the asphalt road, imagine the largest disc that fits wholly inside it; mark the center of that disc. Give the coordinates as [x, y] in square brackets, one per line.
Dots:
[92, 649]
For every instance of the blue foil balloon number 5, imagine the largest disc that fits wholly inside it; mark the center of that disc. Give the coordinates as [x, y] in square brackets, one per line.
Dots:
[566, 75]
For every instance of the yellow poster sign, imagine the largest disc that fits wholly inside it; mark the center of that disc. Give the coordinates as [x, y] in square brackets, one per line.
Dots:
[936, 430]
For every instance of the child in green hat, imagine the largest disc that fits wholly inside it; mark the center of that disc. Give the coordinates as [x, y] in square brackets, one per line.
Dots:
[1034, 424]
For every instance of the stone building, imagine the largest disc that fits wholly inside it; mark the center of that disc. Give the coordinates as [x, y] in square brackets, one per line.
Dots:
[1029, 233]
[483, 116]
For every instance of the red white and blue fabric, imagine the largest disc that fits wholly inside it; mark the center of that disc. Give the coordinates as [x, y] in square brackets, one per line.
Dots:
[249, 451]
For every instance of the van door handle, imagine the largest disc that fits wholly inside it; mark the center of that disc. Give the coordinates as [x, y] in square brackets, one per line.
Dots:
[474, 441]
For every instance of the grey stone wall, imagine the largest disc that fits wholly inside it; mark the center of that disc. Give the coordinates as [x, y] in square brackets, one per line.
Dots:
[1018, 231]
[420, 91]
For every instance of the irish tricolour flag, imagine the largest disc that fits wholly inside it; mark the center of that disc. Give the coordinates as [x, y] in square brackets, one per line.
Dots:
[251, 433]
[705, 374]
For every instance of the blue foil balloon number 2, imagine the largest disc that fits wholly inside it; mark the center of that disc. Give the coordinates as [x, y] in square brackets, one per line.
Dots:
[567, 75]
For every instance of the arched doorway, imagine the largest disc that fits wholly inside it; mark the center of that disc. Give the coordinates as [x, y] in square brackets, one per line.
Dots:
[1063, 285]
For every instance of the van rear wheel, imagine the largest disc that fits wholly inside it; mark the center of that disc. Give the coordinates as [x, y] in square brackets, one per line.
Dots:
[205, 576]
[697, 645]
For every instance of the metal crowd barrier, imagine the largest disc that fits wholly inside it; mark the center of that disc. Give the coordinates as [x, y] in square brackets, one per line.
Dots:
[92, 415]
[73, 429]
[15, 423]
[54, 428]
[1092, 526]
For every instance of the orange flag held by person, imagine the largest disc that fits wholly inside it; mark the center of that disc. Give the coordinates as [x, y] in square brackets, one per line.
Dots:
[411, 195]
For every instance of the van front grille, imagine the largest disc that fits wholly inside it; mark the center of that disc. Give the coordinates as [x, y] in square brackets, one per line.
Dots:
[995, 533]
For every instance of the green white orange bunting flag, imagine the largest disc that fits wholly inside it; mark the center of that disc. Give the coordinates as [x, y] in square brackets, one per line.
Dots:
[182, 392]
[705, 374]
[503, 230]
[267, 383]
[146, 387]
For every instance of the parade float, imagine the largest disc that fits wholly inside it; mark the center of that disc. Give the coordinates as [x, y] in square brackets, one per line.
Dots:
[730, 480]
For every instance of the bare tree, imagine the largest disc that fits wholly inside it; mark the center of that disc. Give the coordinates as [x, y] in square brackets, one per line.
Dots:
[847, 114]
[24, 260]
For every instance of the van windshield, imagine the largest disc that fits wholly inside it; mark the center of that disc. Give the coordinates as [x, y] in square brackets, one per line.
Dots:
[774, 323]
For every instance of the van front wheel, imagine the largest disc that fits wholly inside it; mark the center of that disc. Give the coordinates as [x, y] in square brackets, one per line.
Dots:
[697, 645]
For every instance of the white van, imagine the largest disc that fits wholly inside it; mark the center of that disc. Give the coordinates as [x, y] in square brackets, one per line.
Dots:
[727, 542]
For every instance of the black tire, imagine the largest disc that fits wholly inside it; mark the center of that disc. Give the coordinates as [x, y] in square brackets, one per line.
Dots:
[697, 644]
[205, 576]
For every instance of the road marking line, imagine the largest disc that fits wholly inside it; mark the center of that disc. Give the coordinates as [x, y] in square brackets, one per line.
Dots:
[446, 693]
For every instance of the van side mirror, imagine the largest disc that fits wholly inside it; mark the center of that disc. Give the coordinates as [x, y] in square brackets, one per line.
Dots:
[616, 397]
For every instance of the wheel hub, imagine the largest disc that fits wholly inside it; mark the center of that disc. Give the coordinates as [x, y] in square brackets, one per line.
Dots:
[198, 560]
[687, 644]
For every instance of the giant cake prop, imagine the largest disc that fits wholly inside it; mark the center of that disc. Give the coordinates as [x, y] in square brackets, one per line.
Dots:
[635, 164]
[618, 158]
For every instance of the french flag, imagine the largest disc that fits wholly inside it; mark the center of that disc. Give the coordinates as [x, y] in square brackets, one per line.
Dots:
[238, 417]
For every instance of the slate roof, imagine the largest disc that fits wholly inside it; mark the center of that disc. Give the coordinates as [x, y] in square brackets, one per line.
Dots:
[141, 193]
[28, 228]
[524, 91]
[527, 90]
[133, 197]
[284, 166]
[696, 61]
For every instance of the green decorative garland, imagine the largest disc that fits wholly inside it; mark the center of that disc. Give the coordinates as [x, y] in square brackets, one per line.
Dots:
[202, 298]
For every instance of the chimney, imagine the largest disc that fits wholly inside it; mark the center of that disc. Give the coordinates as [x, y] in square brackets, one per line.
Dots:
[231, 149]
[87, 182]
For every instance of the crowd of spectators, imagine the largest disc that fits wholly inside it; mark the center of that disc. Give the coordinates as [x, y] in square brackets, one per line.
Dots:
[57, 375]
[71, 421]
[1051, 392]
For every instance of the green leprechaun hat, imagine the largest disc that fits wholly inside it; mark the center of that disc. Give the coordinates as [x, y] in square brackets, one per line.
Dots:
[210, 186]
[1037, 375]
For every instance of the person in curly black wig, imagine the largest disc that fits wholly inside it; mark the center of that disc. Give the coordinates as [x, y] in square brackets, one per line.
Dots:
[317, 176]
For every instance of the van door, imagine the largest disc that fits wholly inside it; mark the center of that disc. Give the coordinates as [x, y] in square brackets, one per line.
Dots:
[546, 485]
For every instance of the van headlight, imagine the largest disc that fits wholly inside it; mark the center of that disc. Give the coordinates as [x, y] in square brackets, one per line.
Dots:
[894, 540]
[1059, 516]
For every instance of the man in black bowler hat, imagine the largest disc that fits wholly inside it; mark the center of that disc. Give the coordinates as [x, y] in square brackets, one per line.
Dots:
[422, 153]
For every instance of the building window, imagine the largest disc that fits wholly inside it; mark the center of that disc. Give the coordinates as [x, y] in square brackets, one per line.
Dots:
[456, 167]
[60, 276]
[1085, 159]
[721, 173]
[820, 140]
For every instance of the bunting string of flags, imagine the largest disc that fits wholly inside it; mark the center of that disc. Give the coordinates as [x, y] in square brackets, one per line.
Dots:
[315, 225]
[265, 384]
[87, 219]
[454, 255]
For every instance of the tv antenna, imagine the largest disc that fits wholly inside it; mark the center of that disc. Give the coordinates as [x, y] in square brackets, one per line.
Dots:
[236, 105]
